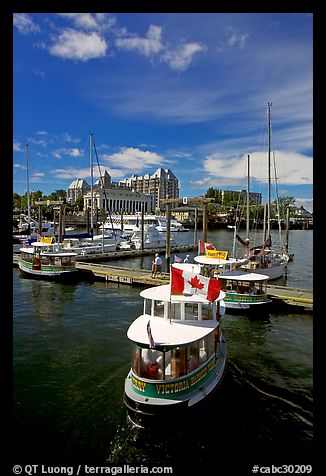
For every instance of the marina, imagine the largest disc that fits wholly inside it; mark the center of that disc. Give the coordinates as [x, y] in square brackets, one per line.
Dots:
[71, 365]
[281, 295]
[162, 281]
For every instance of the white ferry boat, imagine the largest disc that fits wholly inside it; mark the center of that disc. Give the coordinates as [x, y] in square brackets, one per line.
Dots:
[178, 355]
[47, 260]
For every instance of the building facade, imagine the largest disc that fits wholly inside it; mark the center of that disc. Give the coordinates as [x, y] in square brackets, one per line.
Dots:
[128, 194]
[78, 188]
[114, 198]
[161, 184]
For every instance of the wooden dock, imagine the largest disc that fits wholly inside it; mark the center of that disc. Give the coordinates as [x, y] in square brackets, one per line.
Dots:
[283, 297]
[122, 275]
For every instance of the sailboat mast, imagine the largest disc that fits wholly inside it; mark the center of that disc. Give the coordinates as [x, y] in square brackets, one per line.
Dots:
[91, 171]
[269, 170]
[28, 195]
[248, 188]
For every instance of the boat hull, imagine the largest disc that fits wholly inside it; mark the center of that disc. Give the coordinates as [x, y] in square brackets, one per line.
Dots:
[145, 411]
[47, 273]
[273, 272]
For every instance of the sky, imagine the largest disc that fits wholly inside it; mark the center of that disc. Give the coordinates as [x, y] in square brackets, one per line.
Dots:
[184, 91]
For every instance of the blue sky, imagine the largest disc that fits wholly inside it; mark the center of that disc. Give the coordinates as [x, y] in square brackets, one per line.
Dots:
[185, 91]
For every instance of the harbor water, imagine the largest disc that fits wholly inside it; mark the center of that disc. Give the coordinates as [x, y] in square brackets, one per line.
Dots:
[71, 356]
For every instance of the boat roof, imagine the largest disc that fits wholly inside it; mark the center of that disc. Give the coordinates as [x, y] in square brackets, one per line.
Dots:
[202, 259]
[166, 333]
[244, 276]
[163, 293]
[41, 244]
[48, 253]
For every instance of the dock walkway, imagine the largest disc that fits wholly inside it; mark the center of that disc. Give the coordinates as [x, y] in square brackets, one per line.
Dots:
[282, 297]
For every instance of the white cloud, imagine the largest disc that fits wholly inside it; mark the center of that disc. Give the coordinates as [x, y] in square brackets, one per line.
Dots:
[134, 159]
[233, 39]
[307, 203]
[181, 58]
[80, 46]
[69, 138]
[149, 45]
[178, 59]
[90, 21]
[25, 24]
[71, 173]
[292, 168]
[72, 152]
[17, 147]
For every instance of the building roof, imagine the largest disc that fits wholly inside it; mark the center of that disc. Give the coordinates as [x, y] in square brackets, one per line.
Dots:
[79, 183]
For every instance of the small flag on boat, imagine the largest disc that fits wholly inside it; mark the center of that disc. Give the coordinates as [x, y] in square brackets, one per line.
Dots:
[150, 337]
[177, 259]
[191, 283]
[203, 247]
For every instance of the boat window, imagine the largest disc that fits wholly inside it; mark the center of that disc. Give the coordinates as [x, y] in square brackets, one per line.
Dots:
[193, 357]
[147, 306]
[66, 260]
[207, 312]
[179, 362]
[150, 364]
[167, 363]
[136, 359]
[206, 348]
[176, 311]
[159, 308]
[191, 311]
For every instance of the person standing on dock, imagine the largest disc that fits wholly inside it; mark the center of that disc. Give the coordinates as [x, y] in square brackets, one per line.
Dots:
[157, 263]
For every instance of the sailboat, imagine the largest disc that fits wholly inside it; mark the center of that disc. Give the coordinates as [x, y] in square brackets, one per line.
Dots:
[263, 258]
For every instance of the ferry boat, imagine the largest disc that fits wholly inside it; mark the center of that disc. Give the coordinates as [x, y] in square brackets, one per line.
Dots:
[244, 291]
[178, 355]
[45, 259]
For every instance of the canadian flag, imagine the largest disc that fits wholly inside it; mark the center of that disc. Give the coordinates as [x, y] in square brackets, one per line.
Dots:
[203, 247]
[186, 282]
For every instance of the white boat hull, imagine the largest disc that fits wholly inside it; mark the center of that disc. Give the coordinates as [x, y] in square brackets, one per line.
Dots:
[272, 272]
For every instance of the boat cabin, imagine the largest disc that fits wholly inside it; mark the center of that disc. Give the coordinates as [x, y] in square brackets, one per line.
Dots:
[50, 255]
[185, 330]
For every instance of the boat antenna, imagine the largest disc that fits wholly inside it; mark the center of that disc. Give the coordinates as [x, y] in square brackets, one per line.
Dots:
[278, 206]
[269, 104]
[91, 170]
[248, 201]
[28, 195]
[103, 188]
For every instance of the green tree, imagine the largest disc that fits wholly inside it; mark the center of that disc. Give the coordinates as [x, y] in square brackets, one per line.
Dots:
[283, 203]
[79, 204]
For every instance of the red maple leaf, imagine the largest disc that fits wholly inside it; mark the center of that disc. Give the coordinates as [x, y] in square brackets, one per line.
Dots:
[195, 283]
